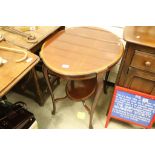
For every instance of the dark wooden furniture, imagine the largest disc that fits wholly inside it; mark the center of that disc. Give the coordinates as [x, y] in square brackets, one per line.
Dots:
[12, 72]
[137, 70]
[42, 33]
[81, 56]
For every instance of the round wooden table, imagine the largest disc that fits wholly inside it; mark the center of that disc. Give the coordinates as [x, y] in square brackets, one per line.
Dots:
[81, 55]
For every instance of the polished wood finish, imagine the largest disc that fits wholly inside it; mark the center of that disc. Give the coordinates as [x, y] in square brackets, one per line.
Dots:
[83, 50]
[11, 72]
[137, 69]
[141, 35]
[81, 89]
[82, 56]
[144, 61]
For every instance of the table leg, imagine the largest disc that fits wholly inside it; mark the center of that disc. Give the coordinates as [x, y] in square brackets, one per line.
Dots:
[38, 89]
[27, 80]
[45, 72]
[96, 98]
[3, 97]
[106, 81]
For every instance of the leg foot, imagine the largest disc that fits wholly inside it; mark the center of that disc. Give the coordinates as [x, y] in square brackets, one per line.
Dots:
[90, 126]
[53, 112]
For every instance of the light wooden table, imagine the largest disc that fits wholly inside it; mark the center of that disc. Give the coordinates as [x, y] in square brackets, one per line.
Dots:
[11, 72]
[82, 54]
[41, 33]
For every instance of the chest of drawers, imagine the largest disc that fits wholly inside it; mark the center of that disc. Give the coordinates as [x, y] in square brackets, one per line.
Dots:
[137, 70]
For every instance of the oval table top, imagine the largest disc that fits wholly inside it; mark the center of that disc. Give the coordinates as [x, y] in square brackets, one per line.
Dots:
[81, 51]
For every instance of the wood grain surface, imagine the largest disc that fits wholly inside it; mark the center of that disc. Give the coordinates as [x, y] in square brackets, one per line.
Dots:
[40, 33]
[11, 72]
[142, 35]
[81, 51]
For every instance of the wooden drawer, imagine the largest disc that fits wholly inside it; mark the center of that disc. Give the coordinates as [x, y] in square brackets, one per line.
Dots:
[144, 61]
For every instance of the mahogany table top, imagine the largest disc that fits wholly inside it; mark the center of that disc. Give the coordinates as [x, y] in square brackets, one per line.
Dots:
[81, 51]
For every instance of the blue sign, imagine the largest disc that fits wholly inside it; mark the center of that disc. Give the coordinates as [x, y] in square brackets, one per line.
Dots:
[133, 108]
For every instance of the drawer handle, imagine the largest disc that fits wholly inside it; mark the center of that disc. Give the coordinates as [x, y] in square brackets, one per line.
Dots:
[147, 63]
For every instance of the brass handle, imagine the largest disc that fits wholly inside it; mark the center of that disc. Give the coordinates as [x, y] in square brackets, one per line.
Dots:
[147, 63]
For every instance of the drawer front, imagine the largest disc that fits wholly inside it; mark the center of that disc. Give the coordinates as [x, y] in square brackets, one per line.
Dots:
[144, 61]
